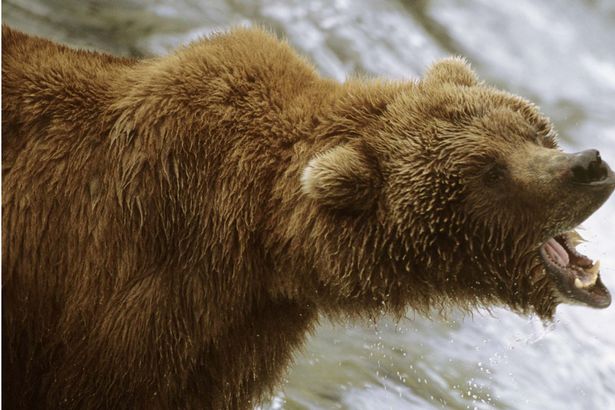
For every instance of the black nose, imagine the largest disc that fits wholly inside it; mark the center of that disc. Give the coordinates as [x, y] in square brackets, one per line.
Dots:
[587, 167]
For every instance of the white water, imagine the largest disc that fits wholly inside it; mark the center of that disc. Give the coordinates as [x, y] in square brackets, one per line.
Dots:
[560, 54]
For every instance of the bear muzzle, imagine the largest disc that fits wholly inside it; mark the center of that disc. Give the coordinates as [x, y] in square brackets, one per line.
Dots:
[590, 182]
[588, 168]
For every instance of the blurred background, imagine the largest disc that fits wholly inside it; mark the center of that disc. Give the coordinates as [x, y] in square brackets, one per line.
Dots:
[559, 54]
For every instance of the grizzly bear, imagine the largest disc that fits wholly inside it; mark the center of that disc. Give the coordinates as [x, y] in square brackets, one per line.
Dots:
[173, 227]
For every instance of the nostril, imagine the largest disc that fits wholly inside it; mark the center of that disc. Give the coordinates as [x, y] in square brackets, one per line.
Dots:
[588, 167]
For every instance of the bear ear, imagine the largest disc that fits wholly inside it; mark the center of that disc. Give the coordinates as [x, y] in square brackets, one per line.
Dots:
[342, 178]
[452, 70]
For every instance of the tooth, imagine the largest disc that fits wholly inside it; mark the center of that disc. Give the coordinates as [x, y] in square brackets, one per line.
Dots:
[595, 268]
[575, 238]
[588, 278]
[592, 281]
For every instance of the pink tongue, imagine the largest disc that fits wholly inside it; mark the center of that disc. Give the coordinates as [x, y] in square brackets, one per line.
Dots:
[557, 252]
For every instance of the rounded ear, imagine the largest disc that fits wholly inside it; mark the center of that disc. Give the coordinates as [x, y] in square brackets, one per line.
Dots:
[452, 70]
[342, 178]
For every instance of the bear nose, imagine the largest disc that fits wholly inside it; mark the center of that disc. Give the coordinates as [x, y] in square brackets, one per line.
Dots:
[587, 167]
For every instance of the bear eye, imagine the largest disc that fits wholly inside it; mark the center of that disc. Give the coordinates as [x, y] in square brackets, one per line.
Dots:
[495, 173]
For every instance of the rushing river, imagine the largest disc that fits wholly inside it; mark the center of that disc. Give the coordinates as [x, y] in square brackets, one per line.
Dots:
[561, 54]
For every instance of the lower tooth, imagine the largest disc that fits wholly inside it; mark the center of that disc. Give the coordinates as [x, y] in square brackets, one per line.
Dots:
[595, 268]
[587, 281]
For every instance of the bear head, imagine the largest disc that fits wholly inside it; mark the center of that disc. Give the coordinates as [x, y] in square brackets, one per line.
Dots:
[459, 194]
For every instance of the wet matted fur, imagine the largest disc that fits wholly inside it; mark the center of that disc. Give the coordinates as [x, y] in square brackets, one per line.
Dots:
[174, 226]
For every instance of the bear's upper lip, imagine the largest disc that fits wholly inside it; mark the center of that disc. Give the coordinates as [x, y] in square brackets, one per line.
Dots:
[608, 180]
[576, 276]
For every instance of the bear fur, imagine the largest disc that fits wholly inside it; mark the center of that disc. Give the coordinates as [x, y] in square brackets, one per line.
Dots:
[173, 227]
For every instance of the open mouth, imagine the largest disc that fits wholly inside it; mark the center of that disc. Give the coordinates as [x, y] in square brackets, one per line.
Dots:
[577, 276]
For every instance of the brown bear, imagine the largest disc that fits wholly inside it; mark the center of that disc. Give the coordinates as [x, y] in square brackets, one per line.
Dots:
[173, 227]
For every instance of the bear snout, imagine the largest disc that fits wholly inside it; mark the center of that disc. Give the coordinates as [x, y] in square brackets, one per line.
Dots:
[587, 167]
[580, 170]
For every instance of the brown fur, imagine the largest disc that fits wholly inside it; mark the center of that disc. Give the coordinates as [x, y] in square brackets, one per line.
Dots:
[174, 226]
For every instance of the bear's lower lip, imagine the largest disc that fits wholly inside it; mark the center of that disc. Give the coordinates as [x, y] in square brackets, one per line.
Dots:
[576, 276]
